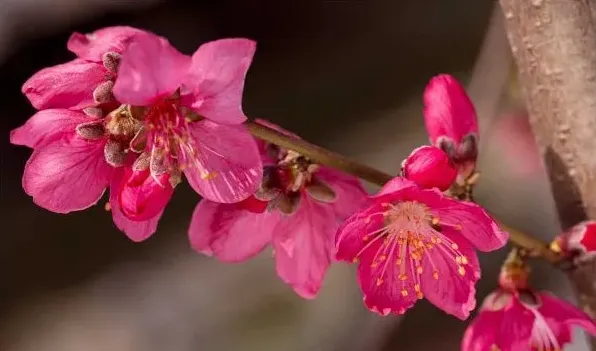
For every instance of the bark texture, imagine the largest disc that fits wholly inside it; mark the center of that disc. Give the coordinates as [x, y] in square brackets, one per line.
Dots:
[554, 45]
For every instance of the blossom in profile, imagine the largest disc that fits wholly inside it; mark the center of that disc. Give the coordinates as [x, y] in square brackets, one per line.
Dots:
[296, 210]
[516, 318]
[578, 242]
[413, 243]
[451, 122]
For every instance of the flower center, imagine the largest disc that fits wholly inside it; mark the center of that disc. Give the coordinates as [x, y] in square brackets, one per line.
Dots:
[410, 234]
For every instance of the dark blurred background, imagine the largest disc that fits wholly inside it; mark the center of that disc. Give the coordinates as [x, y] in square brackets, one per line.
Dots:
[345, 74]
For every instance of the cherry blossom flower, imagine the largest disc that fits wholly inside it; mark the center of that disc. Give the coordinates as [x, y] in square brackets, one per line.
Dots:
[413, 243]
[296, 210]
[191, 115]
[578, 242]
[429, 167]
[451, 122]
[515, 318]
[86, 81]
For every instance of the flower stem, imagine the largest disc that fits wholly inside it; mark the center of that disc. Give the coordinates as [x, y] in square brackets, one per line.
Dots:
[534, 246]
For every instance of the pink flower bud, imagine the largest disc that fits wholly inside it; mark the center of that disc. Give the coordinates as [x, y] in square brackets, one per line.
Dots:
[579, 241]
[451, 121]
[430, 167]
[143, 196]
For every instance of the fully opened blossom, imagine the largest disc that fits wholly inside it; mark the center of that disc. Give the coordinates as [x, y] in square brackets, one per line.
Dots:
[412, 243]
[296, 210]
[138, 151]
[515, 318]
[164, 90]
[451, 122]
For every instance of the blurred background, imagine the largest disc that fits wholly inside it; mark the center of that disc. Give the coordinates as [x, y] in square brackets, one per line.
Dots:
[345, 74]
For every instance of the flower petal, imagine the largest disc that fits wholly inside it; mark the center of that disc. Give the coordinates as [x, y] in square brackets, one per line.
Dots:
[483, 332]
[67, 175]
[383, 285]
[475, 224]
[450, 272]
[226, 166]
[349, 239]
[46, 126]
[561, 315]
[230, 233]
[150, 69]
[516, 328]
[350, 195]
[136, 231]
[303, 246]
[93, 46]
[215, 81]
[69, 85]
[392, 186]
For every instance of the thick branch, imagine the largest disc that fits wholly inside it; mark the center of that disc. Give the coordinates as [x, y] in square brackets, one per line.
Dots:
[554, 45]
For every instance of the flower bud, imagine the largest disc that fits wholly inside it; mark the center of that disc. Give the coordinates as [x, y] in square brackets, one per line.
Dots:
[143, 196]
[451, 122]
[430, 167]
[578, 241]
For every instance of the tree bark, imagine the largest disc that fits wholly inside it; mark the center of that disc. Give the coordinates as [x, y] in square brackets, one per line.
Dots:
[554, 45]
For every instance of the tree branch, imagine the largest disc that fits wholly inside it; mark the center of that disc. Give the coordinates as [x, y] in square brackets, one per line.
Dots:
[554, 45]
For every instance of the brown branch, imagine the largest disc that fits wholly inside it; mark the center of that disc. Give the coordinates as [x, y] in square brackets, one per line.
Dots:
[331, 159]
[554, 45]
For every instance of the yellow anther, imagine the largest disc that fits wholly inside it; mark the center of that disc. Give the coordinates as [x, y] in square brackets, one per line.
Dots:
[454, 246]
[461, 270]
[419, 295]
[108, 206]
[379, 281]
[355, 260]
[404, 293]
[436, 274]
[403, 277]
[419, 270]
[416, 287]
[464, 260]
[458, 259]
[438, 241]
[208, 175]
[398, 261]
[382, 258]
[435, 221]
[458, 227]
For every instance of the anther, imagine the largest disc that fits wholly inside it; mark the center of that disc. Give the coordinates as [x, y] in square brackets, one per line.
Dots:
[111, 61]
[404, 293]
[436, 275]
[419, 270]
[379, 281]
[94, 112]
[464, 260]
[107, 206]
[114, 153]
[461, 270]
[103, 92]
[454, 246]
[419, 295]
[91, 130]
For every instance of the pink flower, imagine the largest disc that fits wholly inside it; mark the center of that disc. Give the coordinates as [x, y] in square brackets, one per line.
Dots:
[85, 81]
[296, 210]
[579, 242]
[170, 94]
[524, 320]
[429, 167]
[413, 243]
[451, 121]
[73, 163]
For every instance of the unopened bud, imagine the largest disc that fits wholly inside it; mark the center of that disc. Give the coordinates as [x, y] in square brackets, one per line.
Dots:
[430, 167]
[451, 122]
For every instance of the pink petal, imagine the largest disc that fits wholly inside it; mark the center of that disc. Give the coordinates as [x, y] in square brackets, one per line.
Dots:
[351, 196]
[93, 46]
[67, 175]
[69, 85]
[226, 166]
[349, 239]
[303, 246]
[136, 231]
[216, 79]
[150, 69]
[141, 196]
[394, 185]
[452, 288]
[448, 111]
[560, 313]
[229, 232]
[379, 278]
[475, 224]
[508, 328]
[430, 167]
[46, 126]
